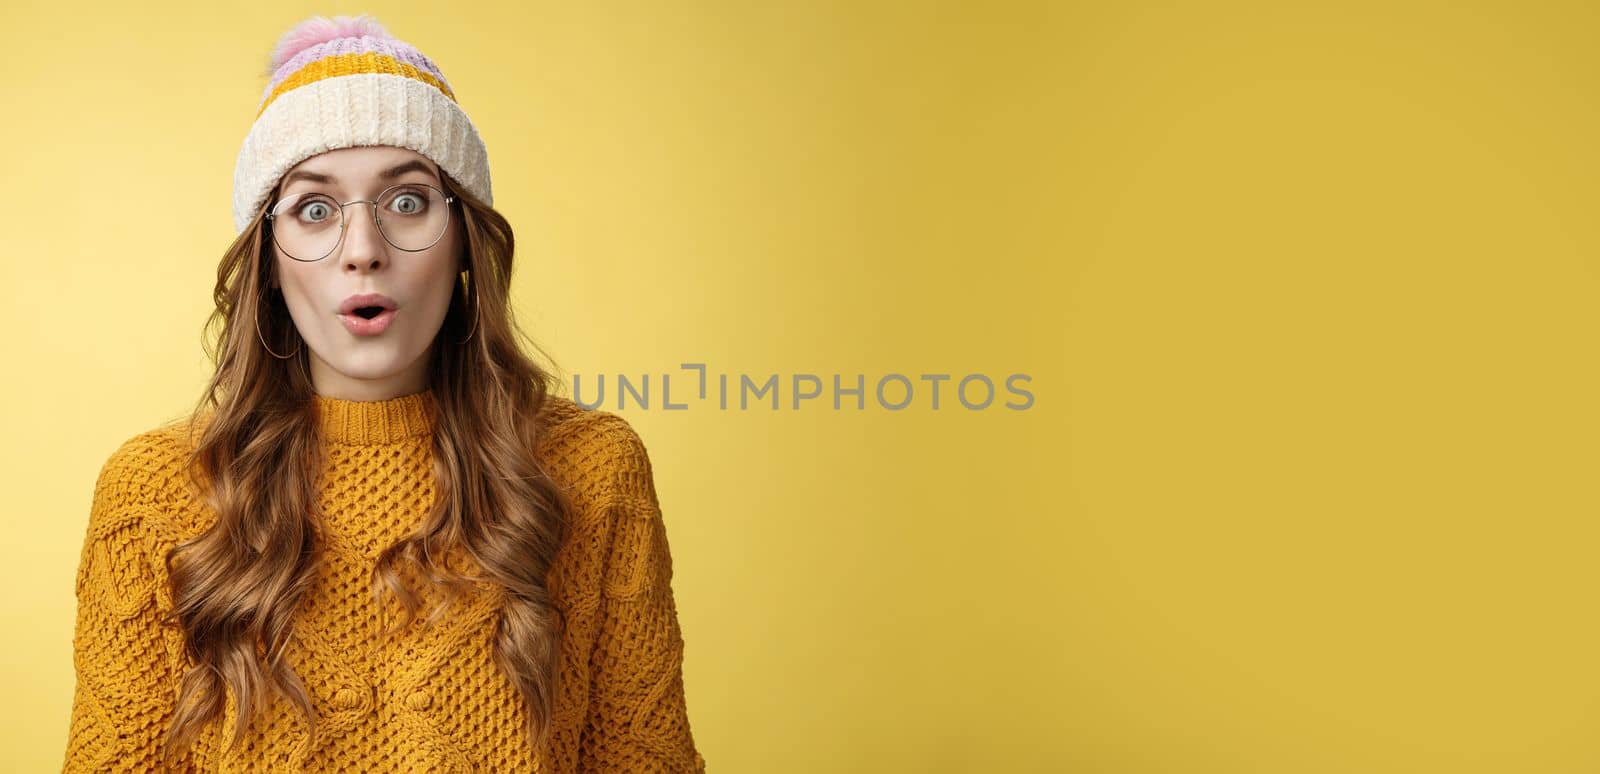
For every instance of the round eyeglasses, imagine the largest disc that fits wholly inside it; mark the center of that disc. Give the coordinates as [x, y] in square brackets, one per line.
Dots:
[309, 226]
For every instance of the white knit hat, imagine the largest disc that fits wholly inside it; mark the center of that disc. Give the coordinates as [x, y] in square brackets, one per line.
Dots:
[345, 82]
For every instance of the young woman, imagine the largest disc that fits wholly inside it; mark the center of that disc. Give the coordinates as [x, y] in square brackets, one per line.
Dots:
[380, 542]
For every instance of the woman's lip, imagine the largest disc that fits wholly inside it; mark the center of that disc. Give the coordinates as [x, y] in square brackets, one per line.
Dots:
[359, 300]
[361, 326]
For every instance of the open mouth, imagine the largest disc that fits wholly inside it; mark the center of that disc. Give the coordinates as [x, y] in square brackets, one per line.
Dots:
[369, 312]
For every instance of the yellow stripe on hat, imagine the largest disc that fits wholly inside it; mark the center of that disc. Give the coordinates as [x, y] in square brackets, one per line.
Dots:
[363, 63]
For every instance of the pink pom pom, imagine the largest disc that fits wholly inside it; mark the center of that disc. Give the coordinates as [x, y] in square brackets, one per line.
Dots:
[321, 29]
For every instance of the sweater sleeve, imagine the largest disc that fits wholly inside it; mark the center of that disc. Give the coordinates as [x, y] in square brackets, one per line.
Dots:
[126, 686]
[638, 717]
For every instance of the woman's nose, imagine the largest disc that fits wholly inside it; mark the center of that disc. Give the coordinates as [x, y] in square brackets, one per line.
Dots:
[364, 244]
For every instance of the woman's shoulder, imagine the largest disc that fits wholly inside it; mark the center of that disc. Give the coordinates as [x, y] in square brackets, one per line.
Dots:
[149, 465]
[595, 451]
[138, 495]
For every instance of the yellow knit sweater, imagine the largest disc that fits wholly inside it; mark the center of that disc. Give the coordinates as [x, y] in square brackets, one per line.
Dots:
[432, 699]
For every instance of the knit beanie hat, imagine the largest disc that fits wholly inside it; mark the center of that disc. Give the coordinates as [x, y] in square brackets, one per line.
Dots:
[345, 82]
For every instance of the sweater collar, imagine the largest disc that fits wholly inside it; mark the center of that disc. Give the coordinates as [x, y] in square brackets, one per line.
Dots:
[367, 422]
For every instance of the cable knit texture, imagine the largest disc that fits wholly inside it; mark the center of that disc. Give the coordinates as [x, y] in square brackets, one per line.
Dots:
[431, 699]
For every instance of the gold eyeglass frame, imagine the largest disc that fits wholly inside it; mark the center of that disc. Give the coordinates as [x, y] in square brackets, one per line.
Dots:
[344, 222]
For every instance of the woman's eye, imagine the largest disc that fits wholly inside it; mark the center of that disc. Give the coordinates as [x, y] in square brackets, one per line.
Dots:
[314, 211]
[409, 204]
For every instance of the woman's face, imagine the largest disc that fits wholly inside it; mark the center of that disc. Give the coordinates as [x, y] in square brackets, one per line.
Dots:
[348, 359]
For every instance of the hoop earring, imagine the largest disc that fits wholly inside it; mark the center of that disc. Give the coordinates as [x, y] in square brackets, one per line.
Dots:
[263, 302]
[464, 295]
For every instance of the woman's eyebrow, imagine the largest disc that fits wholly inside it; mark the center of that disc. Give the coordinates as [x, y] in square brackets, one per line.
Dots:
[413, 165]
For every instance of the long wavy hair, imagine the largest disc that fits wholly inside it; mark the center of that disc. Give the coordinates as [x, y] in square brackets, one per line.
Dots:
[237, 585]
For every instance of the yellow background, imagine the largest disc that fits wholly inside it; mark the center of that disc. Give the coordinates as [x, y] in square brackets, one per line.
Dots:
[1306, 293]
